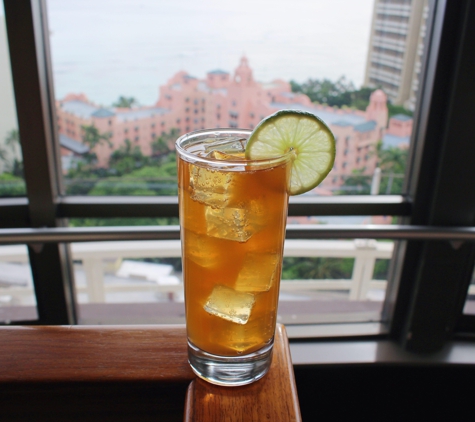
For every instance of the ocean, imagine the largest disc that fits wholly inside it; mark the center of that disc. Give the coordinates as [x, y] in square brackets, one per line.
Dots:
[109, 48]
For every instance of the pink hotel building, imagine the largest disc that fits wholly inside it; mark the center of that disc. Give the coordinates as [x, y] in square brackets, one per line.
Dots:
[222, 100]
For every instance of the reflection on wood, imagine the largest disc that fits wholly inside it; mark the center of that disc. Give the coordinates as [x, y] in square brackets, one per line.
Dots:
[273, 398]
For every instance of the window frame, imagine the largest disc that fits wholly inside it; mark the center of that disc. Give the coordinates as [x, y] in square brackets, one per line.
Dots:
[445, 92]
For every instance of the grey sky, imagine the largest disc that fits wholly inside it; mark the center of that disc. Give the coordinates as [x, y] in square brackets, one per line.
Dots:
[107, 48]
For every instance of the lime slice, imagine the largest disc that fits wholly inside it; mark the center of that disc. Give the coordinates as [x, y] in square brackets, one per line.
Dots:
[307, 136]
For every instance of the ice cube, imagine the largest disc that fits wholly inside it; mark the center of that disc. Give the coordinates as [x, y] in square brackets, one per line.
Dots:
[257, 215]
[230, 305]
[226, 156]
[228, 223]
[210, 187]
[228, 145]
[243, 338]
[201, 249]
[258, 272]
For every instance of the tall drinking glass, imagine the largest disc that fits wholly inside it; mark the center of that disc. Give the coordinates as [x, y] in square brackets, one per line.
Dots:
[232, 214]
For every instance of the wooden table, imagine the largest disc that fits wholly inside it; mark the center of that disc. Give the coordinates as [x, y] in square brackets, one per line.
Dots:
[120, 373]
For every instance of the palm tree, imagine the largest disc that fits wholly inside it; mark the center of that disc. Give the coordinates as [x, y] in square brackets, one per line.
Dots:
[125, 102]
[92, 137]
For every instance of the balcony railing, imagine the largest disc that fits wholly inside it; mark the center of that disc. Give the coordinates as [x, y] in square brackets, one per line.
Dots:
[100, 259]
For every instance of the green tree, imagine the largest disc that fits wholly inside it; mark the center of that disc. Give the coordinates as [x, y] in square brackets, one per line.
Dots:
[397, 109]
[316, 268]
[161, 179]
[342, 93]
[12, 141]
[358, 183]
[121, 186]
[126, 159]
[392, 161]
[381, 269]
[92, 137]
[160, 144]
[125, 102]
[325, 91]
[360, 98]
[11, 185]
[129, 171]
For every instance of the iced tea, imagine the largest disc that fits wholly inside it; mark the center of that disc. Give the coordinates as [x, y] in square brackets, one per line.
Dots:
[232, 218]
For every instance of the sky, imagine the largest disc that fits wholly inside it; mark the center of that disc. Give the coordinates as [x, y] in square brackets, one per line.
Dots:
[108, 48]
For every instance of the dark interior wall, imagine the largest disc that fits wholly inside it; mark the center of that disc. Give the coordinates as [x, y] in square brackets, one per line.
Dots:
[370, 392]
[377, 392]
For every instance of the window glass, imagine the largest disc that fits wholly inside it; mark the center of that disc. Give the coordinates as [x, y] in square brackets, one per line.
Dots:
[470, 300]
[123, 282]
[322, 280]
[144, 72]
[17, 296]
[334, 280]
[11, 162]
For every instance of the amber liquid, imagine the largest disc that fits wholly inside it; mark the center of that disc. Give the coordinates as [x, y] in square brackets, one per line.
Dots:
[232, 230]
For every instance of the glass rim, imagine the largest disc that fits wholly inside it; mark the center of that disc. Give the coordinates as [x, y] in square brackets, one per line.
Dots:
[214, 162]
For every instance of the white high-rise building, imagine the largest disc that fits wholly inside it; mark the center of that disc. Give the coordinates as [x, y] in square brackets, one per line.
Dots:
[396, 47]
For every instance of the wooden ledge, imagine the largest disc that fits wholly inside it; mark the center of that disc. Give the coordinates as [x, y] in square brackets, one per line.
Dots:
[273, 398]
[94, 353]
[122, 373]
